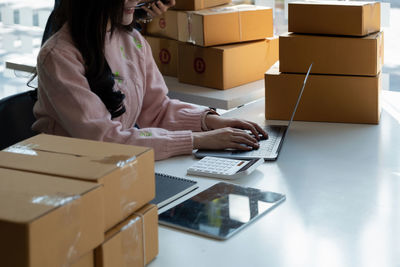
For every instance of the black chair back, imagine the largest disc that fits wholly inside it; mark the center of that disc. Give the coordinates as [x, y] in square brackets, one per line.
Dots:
[16, 118]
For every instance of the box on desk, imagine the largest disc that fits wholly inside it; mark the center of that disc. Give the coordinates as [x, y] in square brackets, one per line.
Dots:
[126, 172]
[225, 24]
[334, 17]
[224, 67]
[47, 220]
[341, 55]
[165, 25]
[328, 98]
[165, 53]
[198, 4]
[134, 242]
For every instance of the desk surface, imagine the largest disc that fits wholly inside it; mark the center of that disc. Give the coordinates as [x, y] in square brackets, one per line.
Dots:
[223, 99]
[342, 209]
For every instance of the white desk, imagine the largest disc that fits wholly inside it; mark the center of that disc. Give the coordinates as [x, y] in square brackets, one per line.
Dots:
[342, 183]
[221, 99]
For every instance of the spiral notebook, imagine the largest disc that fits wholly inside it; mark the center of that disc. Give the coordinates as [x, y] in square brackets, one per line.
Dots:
[170, 188]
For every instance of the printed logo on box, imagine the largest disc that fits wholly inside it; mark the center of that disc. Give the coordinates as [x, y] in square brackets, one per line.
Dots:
[199, 65]
[165, 56]
[162, 23]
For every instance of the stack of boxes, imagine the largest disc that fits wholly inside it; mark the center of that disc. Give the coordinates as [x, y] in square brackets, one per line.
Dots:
[72, 202]
[213, 43]
[345, 45]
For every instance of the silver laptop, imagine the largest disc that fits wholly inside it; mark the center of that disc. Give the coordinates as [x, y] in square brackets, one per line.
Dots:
[269, 148]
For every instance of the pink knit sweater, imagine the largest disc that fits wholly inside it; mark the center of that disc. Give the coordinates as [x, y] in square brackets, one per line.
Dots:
[68, 107]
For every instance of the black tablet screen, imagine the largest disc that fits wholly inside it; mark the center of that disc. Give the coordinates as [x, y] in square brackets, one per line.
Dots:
[220, 210]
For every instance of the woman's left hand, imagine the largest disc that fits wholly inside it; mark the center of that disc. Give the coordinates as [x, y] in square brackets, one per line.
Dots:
[158, 8]
[217, 122]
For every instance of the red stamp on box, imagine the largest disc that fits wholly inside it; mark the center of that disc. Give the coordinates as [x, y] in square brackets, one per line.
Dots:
[165, 56]
[199, 65]
[162, 23]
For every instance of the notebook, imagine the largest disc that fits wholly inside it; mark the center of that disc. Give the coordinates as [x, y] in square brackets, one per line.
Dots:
[170, 188]
[269, 148]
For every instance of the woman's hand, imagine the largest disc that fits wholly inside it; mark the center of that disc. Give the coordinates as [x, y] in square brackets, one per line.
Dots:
[213, 121]
[224, 138]
[158, 8]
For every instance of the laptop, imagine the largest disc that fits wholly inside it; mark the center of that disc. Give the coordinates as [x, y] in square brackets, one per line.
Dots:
[269, 148]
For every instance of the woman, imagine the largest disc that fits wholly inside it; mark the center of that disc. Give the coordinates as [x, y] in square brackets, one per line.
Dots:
[97, 80]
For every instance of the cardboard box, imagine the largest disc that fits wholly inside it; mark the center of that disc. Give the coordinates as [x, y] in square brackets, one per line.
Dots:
[48, 221]
[85, 261]
[165, 25]
[328, 98]
[224, 67]
[331, 54]
[165, 53]
[335, 17]
[134, 242]
[226, 24]
[126, 172]
[198, 4]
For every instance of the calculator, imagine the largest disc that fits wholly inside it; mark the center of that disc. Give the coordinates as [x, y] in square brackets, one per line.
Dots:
[223, 167]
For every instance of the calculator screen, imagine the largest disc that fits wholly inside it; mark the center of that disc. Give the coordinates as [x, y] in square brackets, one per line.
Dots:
[221, 210]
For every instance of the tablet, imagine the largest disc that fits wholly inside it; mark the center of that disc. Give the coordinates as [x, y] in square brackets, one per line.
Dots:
[221, 210]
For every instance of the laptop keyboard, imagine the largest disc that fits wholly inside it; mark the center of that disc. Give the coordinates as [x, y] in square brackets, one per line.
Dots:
[266, 145]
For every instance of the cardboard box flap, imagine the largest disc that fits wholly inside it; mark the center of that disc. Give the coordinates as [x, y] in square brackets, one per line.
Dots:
[80, 147]
[69, 157]
[229, 9]
[25, 197]
[66, 165]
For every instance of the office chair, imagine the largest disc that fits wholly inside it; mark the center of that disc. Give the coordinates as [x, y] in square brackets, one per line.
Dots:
[16, 118]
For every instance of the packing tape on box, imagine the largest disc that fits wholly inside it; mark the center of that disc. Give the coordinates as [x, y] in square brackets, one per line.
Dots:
[190, 27]
[128, 176]
[71, 221]
[22, 149]
[130, 238]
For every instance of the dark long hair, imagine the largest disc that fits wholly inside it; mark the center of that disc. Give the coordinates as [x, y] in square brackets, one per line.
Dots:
[88, 20]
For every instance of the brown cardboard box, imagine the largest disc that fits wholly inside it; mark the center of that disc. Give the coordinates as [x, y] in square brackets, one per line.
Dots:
[165, 53]
[85, 261]
[127, 172]
[165, 25]
[331, 54]
[225, 24]
[334, 17]
[329, 98]
[48, 221]
[198, 4]
[133, 242]
[224, 67]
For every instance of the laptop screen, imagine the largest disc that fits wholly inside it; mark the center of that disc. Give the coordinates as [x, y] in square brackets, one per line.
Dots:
[301, 93]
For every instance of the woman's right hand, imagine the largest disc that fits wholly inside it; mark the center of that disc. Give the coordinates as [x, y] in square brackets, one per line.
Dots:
[224, 138]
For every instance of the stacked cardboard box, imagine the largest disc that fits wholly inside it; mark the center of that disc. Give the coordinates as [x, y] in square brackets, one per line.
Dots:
[345, 45]
[48, 221]
[69, 195]
[220, 47]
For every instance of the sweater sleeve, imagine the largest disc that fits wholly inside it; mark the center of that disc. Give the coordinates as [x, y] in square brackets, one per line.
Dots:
[75, 108]
[158, 109]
